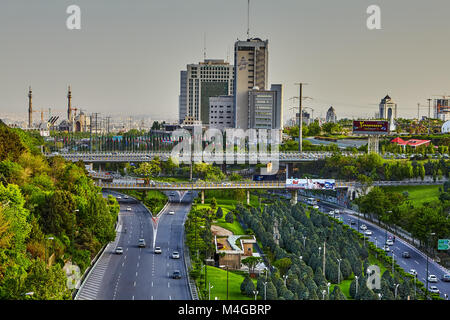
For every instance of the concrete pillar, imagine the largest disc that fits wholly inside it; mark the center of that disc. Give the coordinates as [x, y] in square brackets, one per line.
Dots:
[203, 196]
[248, 197]
[294, 198]
[289, 170]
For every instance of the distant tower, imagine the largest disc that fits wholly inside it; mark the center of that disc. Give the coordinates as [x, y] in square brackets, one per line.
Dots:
[69, 105]
[30, 107]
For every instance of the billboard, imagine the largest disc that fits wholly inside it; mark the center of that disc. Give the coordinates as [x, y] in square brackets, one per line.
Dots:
[370, 127]
[311, 184]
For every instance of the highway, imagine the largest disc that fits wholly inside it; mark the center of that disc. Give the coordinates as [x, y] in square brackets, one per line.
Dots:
[417, 261]
[139, 273]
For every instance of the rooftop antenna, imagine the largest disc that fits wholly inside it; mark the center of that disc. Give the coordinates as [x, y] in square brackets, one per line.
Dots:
[204, 46]
[248, 19]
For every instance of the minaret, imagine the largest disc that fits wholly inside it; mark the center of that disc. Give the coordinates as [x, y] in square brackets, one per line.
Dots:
[30, 107]
[69, 105]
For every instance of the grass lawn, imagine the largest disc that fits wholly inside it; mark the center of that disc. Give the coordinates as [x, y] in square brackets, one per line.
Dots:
[345, 288]
[218, 279]
[418, 194]
[226, 205]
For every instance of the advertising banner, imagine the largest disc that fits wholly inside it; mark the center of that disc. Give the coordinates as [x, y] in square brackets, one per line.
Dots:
[311, 184]
[370, 127]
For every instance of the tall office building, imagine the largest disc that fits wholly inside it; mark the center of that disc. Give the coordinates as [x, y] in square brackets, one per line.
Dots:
[221, 112]
[251, 59]
[265, 108]
[182, 106]
[331, 115]
[210, 78]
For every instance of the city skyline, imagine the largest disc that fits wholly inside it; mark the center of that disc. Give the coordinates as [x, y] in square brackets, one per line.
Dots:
[115, 63]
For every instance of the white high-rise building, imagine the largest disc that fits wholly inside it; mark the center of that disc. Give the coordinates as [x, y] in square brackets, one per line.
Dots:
[251, 60]
[221, 112]
[206, 79]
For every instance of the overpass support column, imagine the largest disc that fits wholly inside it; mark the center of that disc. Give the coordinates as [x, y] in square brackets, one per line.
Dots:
[203, 196]
[294, 198]
[248, 197]
[289, 170]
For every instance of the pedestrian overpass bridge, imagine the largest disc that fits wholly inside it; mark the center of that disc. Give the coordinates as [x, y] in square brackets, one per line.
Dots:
[137, 157]
[349, 186]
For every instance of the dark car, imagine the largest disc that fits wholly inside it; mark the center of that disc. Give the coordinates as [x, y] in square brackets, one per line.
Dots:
[353, 222]
[176, 274]
[406, 255]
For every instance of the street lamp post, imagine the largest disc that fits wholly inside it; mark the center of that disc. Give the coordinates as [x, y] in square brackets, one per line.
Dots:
[393, 261]
[328, 288]
[376, 246]
[323, 294]
[339, 270]
[396, 287]
[265, 291]
[46, 250]
[209, 290]
[285, 278]
[426, 290]
[356, 278]
[255, 292]
[304, 243]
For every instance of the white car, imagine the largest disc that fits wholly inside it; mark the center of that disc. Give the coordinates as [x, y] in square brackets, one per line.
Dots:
[433, 289]
[386, 248]
[175, 255]
[128, 208]
[158, 250]
[331, 213]
[413, 272]
[126, 197]
[118, 197]
[363, 227]
[368, 233]
[316, 207]
[119, 250]
[389, 242]
[336, 211]
[432, 278]
[171, 212]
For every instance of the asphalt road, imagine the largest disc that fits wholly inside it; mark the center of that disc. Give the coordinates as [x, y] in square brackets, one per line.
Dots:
[139, 273]
[417, 261]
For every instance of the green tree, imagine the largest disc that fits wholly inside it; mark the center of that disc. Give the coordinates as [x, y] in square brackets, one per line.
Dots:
[247, 286]
[229, 217]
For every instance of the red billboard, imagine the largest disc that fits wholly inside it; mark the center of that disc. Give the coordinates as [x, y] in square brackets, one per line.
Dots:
[370, 127]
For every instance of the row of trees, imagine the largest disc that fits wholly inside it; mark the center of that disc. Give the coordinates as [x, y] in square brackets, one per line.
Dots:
[374, 167]
[298, 256]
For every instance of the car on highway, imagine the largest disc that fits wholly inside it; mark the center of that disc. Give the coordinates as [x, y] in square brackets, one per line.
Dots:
[175, 255]
[352, 222]
[141, 243]
[118, 197]
[406, 255]
[316, 207]
[126, 197]
[331, 213]
[386, 248]
[171, 212]
[119, 250]
[413, 272]
[432, 278]
[158, 250]
[368, 232]
[446, 277]
[433, 289]
[176, 274]
[389, 242]
[363, 227]
[336, 211]
[128, 208]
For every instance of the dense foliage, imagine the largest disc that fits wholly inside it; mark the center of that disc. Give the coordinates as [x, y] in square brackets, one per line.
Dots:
[50, 213]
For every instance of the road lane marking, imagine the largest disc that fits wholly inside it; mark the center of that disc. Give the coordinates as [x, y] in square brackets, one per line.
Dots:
[152, 283]
[138, 265]
[168, 284]
[134, 285]
[136, 274]
[416, 261]
[170, 298]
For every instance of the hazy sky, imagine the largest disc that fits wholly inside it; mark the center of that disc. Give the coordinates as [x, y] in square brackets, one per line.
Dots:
[128, 55]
